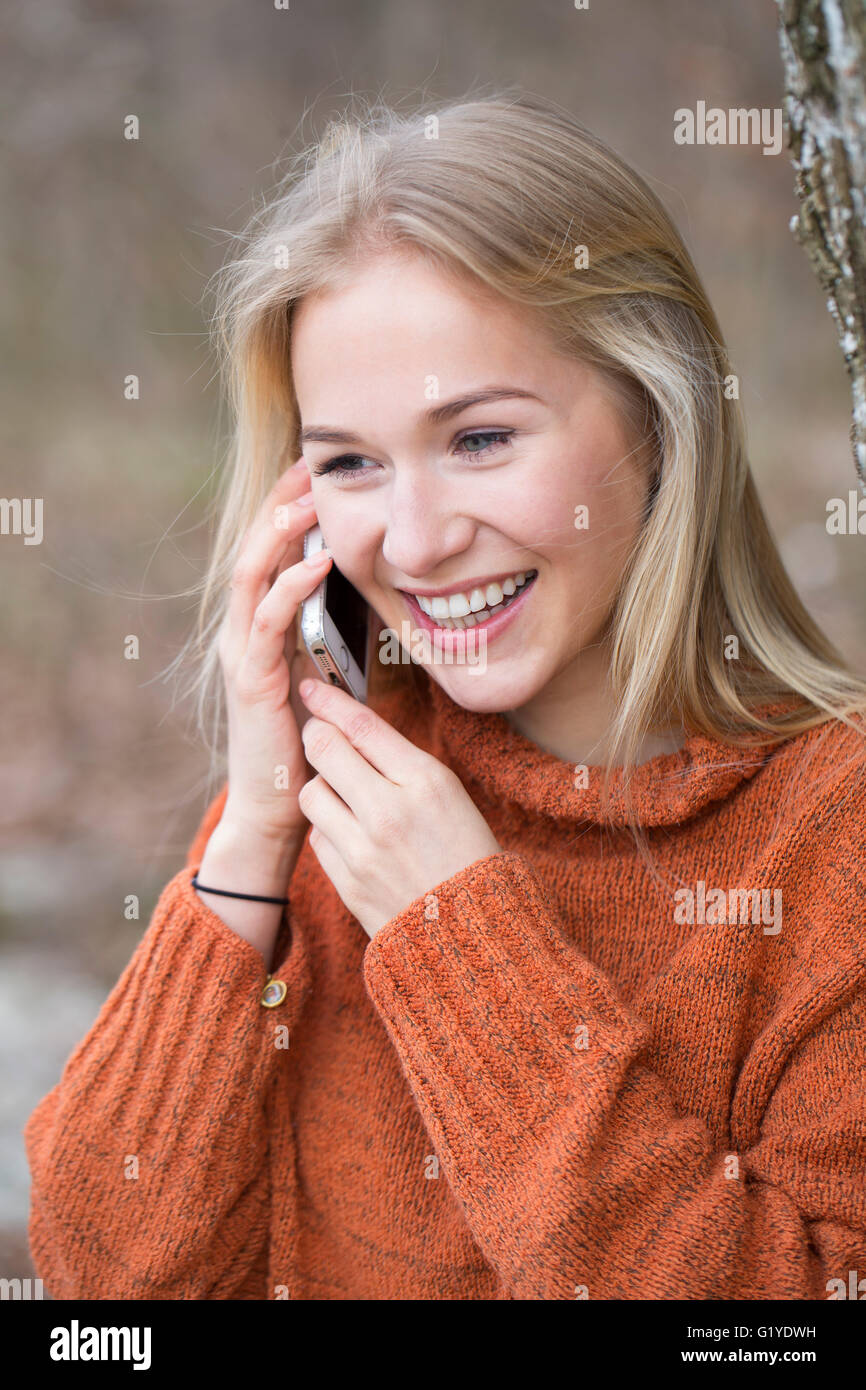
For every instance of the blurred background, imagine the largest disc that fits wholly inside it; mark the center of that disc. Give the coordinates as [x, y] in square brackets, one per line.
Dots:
[107, 245]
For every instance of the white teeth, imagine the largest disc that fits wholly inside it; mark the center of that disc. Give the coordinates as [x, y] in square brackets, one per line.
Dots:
[467, 609]
[493, 595]
[458, 605]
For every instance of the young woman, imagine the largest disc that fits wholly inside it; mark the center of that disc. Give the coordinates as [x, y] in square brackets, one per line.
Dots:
[559, 985]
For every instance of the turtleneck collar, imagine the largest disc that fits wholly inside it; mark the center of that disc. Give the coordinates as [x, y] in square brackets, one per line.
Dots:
[486, 750]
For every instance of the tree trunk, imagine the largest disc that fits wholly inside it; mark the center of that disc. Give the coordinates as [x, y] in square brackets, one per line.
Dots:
[823, 45]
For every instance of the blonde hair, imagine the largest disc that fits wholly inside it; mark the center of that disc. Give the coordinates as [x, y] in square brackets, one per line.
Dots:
[501, 189]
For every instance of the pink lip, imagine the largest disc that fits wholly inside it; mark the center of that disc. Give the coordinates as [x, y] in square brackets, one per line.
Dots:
[466, 586]
[453, 639]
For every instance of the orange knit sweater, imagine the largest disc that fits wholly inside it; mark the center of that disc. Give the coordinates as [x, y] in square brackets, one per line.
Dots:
[540, 1081]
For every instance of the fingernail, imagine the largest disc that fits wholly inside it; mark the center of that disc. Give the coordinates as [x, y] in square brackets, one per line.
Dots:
[318, 559]
[306, 500]
[301, 463]
[306, 688]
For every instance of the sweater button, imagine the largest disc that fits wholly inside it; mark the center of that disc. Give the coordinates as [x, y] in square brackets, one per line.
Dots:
[273, 993]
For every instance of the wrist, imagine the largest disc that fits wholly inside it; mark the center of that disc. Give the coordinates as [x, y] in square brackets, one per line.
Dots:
[241, 857]
[249, 824]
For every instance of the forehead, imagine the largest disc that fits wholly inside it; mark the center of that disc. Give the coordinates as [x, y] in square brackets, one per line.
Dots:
[403, 324]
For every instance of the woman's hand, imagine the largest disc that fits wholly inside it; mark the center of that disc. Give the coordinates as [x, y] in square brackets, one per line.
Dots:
[390, 822]
[256, 844]
[266, 763]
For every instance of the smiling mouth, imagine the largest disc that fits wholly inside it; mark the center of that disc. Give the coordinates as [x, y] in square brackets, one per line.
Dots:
[474, 607]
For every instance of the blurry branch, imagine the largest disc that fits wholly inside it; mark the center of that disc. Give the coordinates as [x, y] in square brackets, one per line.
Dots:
[823, 45]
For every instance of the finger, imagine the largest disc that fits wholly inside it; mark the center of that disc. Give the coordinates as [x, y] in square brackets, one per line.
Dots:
[386, 750]
[278, 519]
[282, 518]
[331, 862]
[266, 644]
[329, 814]
[343, 768]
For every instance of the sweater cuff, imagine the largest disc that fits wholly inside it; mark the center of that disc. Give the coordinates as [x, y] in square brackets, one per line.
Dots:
[498, 1020]
[186, 1013]
[249, 966]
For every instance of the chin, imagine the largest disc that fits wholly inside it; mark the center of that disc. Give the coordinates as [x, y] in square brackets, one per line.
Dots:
[485, 691]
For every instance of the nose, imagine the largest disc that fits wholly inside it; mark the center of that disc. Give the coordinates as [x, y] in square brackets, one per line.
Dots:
[425, 524]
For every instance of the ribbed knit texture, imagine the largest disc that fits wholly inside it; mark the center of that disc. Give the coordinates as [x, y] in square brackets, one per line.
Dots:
[534, 1083]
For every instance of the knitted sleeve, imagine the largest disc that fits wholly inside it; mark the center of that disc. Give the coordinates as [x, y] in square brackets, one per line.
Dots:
[578, 1174]
[148, 1158]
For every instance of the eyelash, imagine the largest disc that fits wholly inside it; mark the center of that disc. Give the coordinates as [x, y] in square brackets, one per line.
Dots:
[332, 466]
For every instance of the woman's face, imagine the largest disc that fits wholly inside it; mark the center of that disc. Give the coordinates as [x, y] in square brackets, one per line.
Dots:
[435, 494]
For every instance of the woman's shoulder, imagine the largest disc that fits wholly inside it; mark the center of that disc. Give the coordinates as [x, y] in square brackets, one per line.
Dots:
[822, 771]
[815, 822]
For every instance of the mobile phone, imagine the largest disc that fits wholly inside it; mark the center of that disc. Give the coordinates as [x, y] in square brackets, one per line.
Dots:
[335, 626]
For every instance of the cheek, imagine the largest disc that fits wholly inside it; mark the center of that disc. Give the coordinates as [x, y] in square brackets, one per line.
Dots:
[604, 495]
[567, 480]
[350, 535]
[584, 522]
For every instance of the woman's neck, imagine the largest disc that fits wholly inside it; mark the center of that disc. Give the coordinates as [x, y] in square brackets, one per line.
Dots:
[572, 715]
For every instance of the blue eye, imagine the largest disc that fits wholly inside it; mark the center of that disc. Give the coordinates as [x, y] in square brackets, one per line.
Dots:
[349, 465]
[502, 435]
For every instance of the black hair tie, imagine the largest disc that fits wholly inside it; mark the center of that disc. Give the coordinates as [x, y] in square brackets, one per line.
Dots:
[249, 897]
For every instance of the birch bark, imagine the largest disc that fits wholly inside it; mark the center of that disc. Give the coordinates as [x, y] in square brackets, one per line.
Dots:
[823, 46]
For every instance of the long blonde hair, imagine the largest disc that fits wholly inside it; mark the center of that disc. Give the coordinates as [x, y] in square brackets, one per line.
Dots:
[504, 189]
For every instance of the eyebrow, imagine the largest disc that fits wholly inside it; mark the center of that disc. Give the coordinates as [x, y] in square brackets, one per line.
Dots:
[439, 414]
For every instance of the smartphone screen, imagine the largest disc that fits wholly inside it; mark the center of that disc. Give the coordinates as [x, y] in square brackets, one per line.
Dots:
[348, 611]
